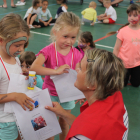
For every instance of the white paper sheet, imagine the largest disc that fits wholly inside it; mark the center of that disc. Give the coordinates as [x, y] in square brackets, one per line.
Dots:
[65, 88]
[17, 84]
[40, 123]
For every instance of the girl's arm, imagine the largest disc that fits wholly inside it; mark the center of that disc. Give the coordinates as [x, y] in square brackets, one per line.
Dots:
[20, 98]
[117, 46]
[77, 66]
[42, 21]
[83, 12]
[59, 111]
[95, 17]
[50, 20]
[28, 18]
[40, 70]
[102, 15]
[106, 17]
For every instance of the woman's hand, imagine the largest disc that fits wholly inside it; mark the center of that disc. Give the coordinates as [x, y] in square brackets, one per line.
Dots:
[80, 101]
[60, 112]
[57, 109]
[23, 100]
[62, 69]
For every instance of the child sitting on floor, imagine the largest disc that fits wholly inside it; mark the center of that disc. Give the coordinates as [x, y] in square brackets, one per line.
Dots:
[89, 14]
[85, 42]
[110, 15]
[26, 60]
[32, 13]
[44, 21]
[62, 8]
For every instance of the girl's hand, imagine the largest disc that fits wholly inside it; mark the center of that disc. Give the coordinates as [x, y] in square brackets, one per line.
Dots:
[62, 69]
[35, 82]
[23, 100]
[80, 101]
[57, 109]
[46, 23]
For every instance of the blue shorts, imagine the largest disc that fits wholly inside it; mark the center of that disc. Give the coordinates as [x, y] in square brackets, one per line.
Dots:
[8, 131]
[67, 105]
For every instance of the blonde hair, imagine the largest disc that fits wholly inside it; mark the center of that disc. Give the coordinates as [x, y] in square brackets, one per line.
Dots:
[92, 4]
[11, 25]
[104, 71]
[64, 20]
[106, 1]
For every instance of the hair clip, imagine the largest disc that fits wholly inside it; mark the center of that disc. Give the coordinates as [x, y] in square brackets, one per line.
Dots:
[90, 60]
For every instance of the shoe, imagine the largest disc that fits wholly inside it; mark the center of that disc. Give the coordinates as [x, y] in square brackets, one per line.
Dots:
[19, 3]
[131, 2]
[82, 23]
[51, 24]
[98, 22]
[1, 6]
[31, 26]
[13, 6]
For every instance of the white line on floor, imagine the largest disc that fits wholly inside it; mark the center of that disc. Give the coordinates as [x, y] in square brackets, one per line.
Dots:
[104, 46]
[95, 44]
[39, 33]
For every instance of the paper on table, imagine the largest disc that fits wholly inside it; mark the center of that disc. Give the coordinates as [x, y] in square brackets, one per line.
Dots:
[17, 84]
[65, 88]
[40, 123]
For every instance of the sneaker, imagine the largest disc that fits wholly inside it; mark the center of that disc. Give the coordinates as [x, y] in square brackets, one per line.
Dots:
[19, 3]
[98, 22]
[31, 26]
[82, 23]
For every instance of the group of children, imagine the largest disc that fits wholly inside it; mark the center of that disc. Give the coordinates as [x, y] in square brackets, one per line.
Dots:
[57, 57]
[90, 15]
[37, 17]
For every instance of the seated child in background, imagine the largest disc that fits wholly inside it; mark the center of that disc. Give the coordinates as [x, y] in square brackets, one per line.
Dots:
[110, 15]
[26, 60]
[62, 8]
[32, 13]
[89, 14]
[44, 14]
[85, 42]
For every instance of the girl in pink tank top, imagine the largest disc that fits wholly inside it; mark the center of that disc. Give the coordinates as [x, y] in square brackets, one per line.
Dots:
[58, 57]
